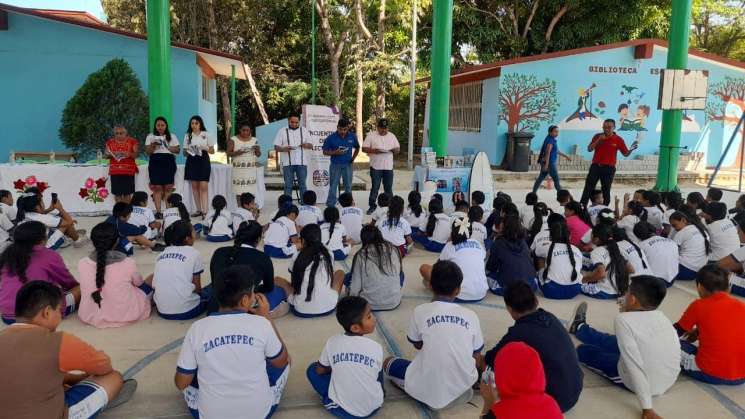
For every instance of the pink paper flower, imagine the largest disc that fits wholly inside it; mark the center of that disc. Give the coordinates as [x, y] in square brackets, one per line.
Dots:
[89, 183]
[103, 193]
[31, 181]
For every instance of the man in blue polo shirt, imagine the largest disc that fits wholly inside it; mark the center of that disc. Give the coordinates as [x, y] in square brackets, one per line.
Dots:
[343, 148]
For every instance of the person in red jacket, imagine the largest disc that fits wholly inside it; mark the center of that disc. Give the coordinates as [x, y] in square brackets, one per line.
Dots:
[122, 151]
[603, 167]
[520, 384]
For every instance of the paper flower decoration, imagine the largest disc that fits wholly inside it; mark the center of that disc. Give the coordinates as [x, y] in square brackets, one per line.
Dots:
[94, 190]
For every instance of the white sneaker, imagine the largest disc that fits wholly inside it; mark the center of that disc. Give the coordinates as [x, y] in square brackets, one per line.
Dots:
[82, 241]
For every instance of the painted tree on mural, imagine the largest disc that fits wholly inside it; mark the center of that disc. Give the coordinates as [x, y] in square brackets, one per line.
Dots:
[526, 101]
[730, 91]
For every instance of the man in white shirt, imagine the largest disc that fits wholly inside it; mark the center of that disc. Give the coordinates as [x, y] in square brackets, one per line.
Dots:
[380, 145]
[644, 355]
[294, 147]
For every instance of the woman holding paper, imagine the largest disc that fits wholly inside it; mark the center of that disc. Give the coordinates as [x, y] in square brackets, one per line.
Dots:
[198, 145]
[122, 151]
[162, 147]
[244, 152]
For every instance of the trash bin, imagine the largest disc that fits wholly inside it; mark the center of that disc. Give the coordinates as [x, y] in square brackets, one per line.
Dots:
[520, 161]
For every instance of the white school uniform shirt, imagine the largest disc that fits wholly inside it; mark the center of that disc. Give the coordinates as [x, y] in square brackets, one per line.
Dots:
[543, 238]
[223, 224]
[241, 215]
[379, 214]
[526, 215]
[230, 351]
[201, 142]
[662, 254]
[560, 270]
[469, 256]
[279, 232]
[164, 143]
[600, 256]
[336, 240]
[142, 217]
[419, 222]
[323, 299]
[394, 234]
[655, 217]
[352, 217]
[174, 271]
[594, 211]
[478, 232]
[308, 214]
[9, 210]
[458, 214]
[724, 239]
[170, 216]
[5, 226]
[487, 211]
[299, 156]
[632, 257]
[627, 223]
[443, 228]
[444, 368]
[666, 217]
[692, 248]
[356, 363]
[49, 220]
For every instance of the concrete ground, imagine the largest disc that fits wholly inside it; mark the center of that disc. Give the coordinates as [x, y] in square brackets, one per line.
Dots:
[149, 350]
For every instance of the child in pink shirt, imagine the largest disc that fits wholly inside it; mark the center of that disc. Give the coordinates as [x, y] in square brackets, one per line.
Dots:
[113, 291]
[578, 222]
[28, 259]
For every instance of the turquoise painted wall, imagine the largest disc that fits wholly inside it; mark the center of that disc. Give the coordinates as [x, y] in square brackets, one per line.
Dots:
[43, 63]
[615, 79]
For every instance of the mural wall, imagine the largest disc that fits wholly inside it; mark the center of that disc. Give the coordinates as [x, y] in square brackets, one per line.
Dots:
[578, 92]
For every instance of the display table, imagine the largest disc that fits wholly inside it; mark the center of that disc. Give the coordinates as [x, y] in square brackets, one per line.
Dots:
[67, 180]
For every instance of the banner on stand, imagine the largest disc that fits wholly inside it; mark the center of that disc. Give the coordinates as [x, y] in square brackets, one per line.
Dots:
[321, 122]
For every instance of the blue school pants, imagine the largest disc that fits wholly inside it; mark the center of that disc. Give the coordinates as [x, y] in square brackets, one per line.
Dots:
[321, 385]
[689, 350]
[275, 252]
[685, 274]
[196, 311]
[599, 352]
[554, 291]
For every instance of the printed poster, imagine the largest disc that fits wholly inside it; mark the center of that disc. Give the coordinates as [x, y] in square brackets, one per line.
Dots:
[321, 122]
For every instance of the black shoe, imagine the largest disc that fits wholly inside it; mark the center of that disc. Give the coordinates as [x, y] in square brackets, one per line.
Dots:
[158, 215]
[371, 210]
[196, 214]
[579, 317]
[159, 247]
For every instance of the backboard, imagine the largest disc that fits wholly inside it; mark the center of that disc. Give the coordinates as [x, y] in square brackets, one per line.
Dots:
[683, 89]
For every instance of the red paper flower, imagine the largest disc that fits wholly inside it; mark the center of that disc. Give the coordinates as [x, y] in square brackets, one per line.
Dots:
[83, 193]
[31, 180]
[101, 182]
[42, 186]
[19, 184]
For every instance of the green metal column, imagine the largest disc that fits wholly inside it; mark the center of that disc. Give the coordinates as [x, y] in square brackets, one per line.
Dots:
[313, 53]
[232, 100]
[159, 59]
[439, 103]
[677, 58]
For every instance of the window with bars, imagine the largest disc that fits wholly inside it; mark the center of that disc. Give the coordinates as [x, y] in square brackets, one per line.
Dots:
[206, 89]
[465, 107]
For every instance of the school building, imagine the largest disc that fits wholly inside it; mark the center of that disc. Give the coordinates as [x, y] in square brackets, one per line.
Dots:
[577, 89]
[46, 55]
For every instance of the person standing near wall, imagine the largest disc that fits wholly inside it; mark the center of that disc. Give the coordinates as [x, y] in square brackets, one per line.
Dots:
[548, 159]
[198, 145]
[381, 145]
[605, 145]
[294, 145]
[244, 151]
[122, 150]
[343, 148]
[161, 146]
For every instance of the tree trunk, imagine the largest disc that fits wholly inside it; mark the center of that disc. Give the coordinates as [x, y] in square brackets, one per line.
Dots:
[256, 94]
[380, 91]
[226, 114]
[335, 48]
[552, 25]
[359, 103]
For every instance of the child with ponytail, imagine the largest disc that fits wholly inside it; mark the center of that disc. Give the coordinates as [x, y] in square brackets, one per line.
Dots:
[693, 243]
[395, 229]
[414, 214]
[113, 293]
[609, 277]
[655, 213]
[334, 234]
[633, 213]
[281, 235]
[175, 210]
[246, 211]
[218, 223]
[560, 264]
[578, 221]
[437, 229]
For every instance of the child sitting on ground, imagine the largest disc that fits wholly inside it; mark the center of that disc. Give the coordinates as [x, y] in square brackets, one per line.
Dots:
[692, 240]
[655, 213]
[314, 286]
[129, 233]
[113, 293]
[382, 210]
[334, 235]
[596, 205]
[241, 360]
[437, 230]
[46, 380]
[644, 353]
[734, 262]
[633, 213]
[448, 337]
[178, 276]
[218, 223]
[609, 274]
[478, 231]
[414, 214]
[376, 273]
[62, 230]
[142, 216]
[661, 252]
[246, 211]
[351, 216]
[395, 229]
[578, 222]
[461, 210]
[538, 226]
[348, 375]
[478, 199]
[6, 205]
[28, 259]
[717, 321]
[281, 235]
[509, 257]
[714, 195]
[175, 210]
[559, 264]
[722, 231]
[695, 200]
[309, 213]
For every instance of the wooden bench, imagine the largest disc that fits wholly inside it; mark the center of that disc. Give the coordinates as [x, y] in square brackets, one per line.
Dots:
[34, 155]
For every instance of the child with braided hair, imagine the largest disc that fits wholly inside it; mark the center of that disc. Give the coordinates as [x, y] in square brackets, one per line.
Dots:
[609, 277]
[560, 265]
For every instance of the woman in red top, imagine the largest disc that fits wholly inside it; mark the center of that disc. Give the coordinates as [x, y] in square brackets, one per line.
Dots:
[122, 151]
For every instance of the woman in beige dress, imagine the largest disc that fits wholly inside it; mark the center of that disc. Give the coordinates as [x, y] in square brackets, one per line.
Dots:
[243, 150]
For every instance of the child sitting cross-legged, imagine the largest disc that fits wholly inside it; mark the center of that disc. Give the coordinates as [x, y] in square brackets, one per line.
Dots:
[280, 239]
[376, 272]
[394, 227]
[309, 213]
[348, 375]
[129, 233]
[218, 223]
[448, 337]
[717, 321]
[246, 211]
[241, 361]
[142, 216]
[351, 216]
[644, 354]
[50, 374]
[334, 234]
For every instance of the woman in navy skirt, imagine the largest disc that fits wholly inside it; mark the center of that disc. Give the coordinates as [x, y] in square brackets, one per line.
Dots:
[198, 145]
[162, 147]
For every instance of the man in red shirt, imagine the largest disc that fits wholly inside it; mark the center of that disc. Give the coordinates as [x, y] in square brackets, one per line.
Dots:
[603, 167]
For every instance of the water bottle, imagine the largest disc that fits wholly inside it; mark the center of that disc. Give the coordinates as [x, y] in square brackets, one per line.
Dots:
[99, 157]
[51, 156]
[12, 157]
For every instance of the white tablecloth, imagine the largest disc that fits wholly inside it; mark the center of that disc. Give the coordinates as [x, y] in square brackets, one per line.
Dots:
[67, 179]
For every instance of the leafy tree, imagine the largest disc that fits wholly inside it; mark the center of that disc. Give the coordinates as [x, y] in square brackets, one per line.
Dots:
[110, 96]
[718, 26]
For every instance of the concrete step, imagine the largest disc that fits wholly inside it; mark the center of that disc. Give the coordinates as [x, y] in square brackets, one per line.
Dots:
[274, 181]
[501, 176]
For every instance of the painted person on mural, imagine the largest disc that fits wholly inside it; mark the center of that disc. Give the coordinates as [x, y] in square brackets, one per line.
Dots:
[294, 146]
[548, 159]
[343, 148]
[605, 145]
